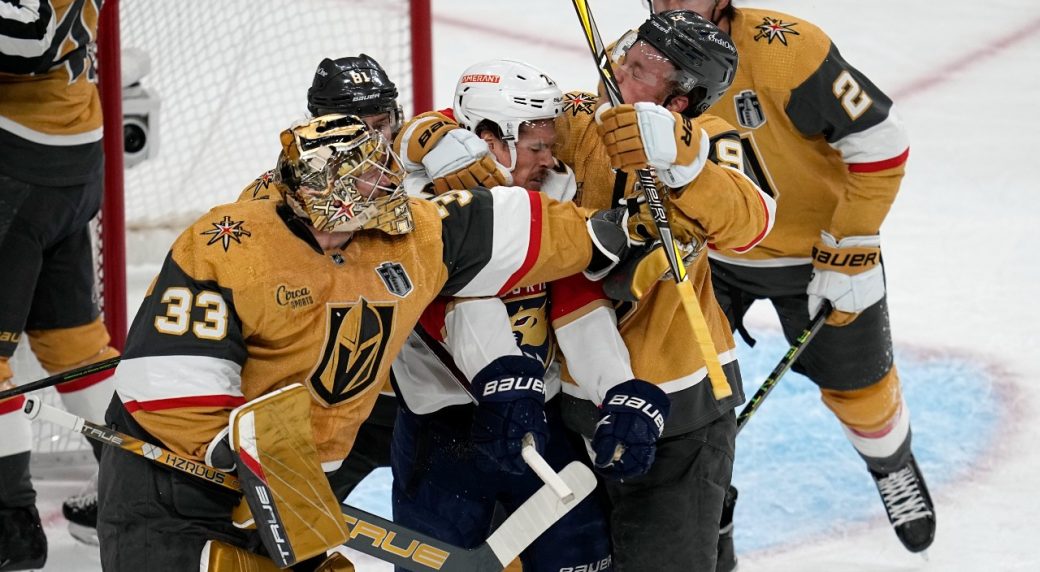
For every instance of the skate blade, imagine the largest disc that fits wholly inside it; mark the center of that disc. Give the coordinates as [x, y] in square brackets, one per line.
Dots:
[84, 534]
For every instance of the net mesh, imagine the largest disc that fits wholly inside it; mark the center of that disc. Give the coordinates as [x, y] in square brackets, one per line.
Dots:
[230, 75]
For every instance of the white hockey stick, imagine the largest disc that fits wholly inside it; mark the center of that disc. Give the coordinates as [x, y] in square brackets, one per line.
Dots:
[369, 533]
[544, 471]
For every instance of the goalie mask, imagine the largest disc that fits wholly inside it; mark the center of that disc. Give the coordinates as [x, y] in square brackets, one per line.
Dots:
[506, 93]
[342, 177]
[704, 56]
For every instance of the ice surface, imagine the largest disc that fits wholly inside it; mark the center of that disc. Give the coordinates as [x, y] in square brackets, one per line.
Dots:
[958, 246]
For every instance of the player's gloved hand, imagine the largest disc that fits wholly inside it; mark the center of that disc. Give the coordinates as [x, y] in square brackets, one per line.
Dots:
[645, 134]
[848, 273]
[641, 227]
[510, 404]
[219, 454]
[645, 266]
[453, 158]
[610, 239]
[631, 420]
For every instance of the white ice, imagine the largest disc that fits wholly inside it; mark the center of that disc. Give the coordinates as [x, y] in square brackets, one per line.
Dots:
[956, 243]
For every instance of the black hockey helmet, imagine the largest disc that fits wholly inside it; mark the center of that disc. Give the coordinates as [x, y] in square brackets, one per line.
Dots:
[353, 86]
[704, 55]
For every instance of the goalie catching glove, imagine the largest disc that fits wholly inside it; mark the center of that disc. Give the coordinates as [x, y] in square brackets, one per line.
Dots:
[510, 396]
[631, 420]
[644, 135]
[453, 158]
[848, 272]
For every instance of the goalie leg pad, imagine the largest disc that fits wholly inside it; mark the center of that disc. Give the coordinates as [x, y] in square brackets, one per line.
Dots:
[221, 557]
[296, 513]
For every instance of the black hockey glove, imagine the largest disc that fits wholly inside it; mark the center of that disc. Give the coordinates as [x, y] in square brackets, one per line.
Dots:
[631, 420]
[510, 404]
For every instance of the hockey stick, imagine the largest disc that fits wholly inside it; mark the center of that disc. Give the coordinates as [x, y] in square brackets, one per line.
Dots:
[719, 385]
[369, 533]
[60, 378]
[35, 408]
[785, 364]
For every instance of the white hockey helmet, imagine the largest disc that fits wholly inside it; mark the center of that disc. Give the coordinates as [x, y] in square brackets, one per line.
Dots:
[507, 93]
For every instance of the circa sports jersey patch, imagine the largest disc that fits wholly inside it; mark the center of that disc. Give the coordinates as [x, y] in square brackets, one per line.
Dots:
[578, 103]
[775, 29]
[356, 338]
[293, 297]
[395, 278]
[749, 109]
[225, 231]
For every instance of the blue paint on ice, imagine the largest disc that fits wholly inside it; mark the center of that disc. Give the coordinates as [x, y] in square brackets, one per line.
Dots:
[799, 478]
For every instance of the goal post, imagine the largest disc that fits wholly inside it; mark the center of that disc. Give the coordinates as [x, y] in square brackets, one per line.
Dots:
[194, 95]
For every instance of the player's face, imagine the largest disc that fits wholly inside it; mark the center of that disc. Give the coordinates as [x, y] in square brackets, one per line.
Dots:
[644, 74]
[380, 122]
[372, 183]
[534, 156]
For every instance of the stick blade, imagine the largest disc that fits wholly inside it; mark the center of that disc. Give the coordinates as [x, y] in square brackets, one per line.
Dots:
[539, 512]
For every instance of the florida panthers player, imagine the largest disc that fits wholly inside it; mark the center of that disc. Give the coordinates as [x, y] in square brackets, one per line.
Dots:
[665, 505]
[447, 481]
[362, 261]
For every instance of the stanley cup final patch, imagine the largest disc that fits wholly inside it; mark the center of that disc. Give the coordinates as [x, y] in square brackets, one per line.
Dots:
[395, 278]
[749, 109]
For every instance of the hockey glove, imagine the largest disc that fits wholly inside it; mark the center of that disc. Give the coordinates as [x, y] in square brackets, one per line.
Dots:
[848, 273]
[631, 420]
[453, 158]
[645, 266]
[510, 404]
[641, 227]
[219, 454]
[645, 134]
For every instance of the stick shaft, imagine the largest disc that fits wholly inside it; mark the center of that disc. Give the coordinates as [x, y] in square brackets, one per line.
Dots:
[60, 378]
[784, 365]
[655, 204]
[35, 408]
[544, 471]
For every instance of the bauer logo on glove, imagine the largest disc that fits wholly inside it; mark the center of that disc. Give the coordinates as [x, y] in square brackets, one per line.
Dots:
[849, 273]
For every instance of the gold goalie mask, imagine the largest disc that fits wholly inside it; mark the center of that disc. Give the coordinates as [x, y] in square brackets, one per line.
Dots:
[343, 176]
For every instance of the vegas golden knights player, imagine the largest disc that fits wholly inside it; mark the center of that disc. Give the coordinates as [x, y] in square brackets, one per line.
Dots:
[674, 68]
[50, 188]
[357, 261]
[824, 140]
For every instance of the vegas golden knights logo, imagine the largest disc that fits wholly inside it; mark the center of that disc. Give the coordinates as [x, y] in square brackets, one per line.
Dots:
[355, 345]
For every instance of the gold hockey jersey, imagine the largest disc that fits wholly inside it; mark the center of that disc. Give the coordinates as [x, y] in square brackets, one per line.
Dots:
[735, 215]
[818, 135]
[246, 302]
[50, 111]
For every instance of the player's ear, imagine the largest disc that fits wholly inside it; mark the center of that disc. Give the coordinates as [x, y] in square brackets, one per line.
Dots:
[495, 145]
[677, 103]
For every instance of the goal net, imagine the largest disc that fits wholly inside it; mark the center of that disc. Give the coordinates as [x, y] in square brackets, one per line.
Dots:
[206, 89]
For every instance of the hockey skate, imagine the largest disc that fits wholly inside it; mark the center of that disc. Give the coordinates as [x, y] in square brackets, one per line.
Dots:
[908, 504]
[23, 545]
[81, 512]
[727, 558]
